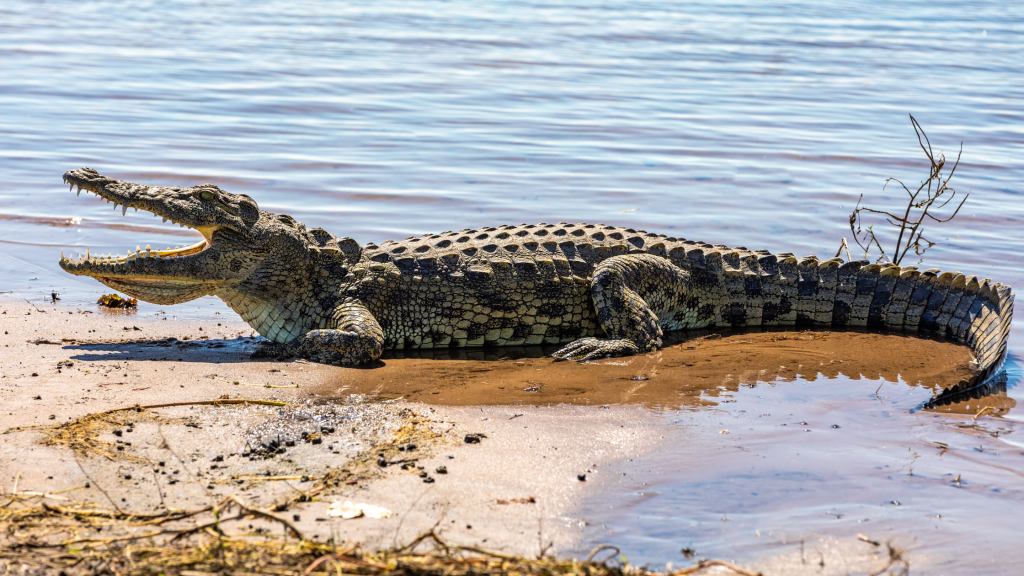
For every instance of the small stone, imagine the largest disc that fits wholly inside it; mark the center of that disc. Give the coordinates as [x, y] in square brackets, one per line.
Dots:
[53, 416]
[581, 477]
[428, 480]
[441, 470]
[473, 438]
[118, 433]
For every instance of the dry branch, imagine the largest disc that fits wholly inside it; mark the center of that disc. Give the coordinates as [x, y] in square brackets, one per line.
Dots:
[932, 195]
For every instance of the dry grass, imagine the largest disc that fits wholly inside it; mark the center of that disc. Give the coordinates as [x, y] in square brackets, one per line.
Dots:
[50, 539]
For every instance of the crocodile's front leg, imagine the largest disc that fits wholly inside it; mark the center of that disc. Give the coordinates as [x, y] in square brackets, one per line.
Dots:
[357, 339]
[630, 292]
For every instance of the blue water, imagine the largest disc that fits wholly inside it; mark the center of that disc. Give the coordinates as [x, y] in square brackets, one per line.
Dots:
[754, 124]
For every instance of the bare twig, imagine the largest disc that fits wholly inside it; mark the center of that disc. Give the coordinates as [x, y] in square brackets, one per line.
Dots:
[932, 195]
[840, 251]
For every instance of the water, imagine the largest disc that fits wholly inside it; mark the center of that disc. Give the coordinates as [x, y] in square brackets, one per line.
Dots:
[749, 124]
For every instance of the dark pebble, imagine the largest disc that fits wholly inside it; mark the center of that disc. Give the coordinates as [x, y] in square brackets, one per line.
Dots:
[835, 425]
[410, 447]
[423, 474]
[581, 477]
[53, 416]
[428, 480]
[36, 374]
[317, 440]
[472, 438]
[218, 458]
[127, 476]
[382, 462]
[117, 433]
[441, 470]
[296, 517]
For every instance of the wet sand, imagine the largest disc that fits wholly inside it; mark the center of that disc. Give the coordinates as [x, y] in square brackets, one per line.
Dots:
[543, 423]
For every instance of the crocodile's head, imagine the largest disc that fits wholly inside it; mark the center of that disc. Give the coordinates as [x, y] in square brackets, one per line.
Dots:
[237, 238]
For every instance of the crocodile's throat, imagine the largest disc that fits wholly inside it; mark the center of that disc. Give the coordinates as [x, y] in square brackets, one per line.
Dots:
[279, 321]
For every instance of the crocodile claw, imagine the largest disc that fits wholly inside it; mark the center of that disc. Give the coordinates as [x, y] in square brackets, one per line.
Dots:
[274, 350]
[586, 349]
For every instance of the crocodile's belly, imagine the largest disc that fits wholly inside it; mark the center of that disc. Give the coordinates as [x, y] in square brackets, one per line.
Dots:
[511, 315]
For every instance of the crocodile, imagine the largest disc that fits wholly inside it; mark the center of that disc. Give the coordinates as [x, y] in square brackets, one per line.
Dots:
[600, 290]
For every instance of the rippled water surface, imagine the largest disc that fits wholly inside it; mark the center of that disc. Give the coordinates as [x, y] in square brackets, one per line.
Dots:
[749, 124]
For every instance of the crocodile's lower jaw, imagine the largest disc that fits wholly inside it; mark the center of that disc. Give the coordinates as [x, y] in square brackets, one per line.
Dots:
[163, 292]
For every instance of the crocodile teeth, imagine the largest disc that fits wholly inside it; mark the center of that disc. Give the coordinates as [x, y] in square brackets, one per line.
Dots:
[124, 210]
[70, 186]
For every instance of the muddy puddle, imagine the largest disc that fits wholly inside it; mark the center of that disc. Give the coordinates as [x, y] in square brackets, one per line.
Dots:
[695, 369]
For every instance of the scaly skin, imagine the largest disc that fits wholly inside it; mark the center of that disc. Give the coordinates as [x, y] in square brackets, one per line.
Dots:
[606, 291]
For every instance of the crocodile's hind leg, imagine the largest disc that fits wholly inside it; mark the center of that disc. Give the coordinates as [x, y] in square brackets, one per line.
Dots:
[357, 338]
[630, 294]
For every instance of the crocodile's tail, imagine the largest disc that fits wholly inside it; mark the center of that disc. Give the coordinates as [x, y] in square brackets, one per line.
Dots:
[761, 289]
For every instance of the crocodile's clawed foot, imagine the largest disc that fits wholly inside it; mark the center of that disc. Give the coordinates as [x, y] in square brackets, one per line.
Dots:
[586, 349]
[273, 350]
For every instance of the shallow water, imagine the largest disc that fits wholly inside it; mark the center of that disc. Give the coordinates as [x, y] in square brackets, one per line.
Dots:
[749, 124]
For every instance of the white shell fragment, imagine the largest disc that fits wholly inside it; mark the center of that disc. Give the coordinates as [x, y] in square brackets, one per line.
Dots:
[348, 510]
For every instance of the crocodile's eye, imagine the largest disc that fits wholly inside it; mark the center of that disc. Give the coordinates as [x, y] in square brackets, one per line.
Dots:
[207, 195]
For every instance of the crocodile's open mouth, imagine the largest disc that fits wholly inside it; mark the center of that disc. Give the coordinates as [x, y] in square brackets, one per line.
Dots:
[99, 265]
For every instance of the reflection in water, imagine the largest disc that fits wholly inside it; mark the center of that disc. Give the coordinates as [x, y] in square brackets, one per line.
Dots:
[972, 398]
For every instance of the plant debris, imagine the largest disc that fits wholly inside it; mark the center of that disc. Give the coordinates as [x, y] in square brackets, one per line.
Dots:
[79, 538]
[116, 301]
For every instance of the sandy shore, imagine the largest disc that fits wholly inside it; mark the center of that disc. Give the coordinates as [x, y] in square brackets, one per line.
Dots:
[541, 426]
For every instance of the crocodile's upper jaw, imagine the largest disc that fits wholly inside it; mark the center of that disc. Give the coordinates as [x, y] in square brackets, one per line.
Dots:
[168, 276]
